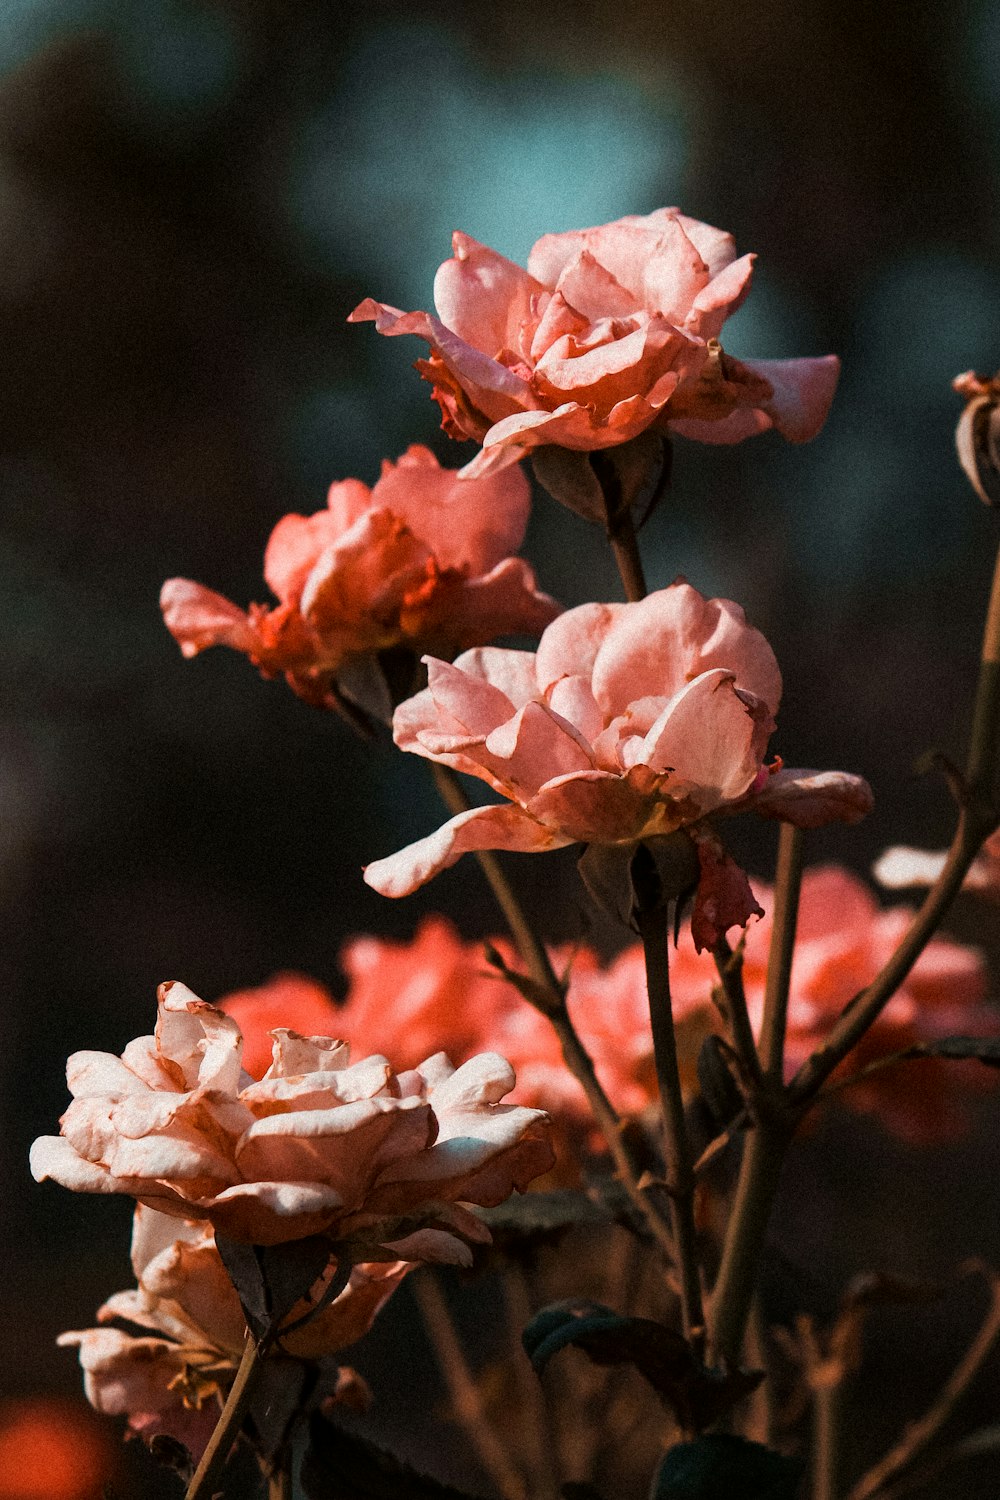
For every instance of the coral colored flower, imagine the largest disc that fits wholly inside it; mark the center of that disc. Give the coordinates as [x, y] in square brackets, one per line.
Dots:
[173, 1379]
[421, 560]
[609, 331]
[317, 1145]
[51, 1450]
[843, 938]
[631, 721]
[292, 1001]
[900, 868]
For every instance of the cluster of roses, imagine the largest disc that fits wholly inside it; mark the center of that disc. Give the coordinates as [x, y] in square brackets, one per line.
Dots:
[630, 722]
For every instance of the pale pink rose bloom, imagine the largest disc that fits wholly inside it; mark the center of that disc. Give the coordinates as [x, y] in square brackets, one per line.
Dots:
[630, 721]
[173, 1378]
[317, 1145]
[423, 559]
[901, 868]
[843, 939]
[610, 331]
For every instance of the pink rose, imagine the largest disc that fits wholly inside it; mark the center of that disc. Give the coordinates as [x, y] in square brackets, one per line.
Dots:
[173, 1378]
[421, 560]
[609, 332]
[631, 721]
[318, 1145]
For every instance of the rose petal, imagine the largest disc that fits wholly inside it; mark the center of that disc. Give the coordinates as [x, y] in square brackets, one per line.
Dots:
[480, 828]
[811, 799]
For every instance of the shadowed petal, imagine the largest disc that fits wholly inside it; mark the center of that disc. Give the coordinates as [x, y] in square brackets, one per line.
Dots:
[507, 827]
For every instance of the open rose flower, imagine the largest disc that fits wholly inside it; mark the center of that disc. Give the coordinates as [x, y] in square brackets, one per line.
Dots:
[630, 722]
[297, 1003]
[422, 560]
[173, 1378]
[843, 937]
[609, 332]
[901, 868]
[318, 1145]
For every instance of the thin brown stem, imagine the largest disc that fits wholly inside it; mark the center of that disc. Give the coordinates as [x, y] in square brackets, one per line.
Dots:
[729, 963]
[462, 1388]
[279, 1485]
[920, 1433]
[552, 1004]
[828, 1408]
[213, 1460]
[535, 1428]
[760, 1171]
[651, 919]
[787, 885]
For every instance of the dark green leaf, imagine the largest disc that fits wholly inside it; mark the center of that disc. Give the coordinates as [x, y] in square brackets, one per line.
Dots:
[172, 1454]
[270, 1279]
[242, 1261]
[720, 1467]
[985, 1049]
[340, 1465]
[697, 1396]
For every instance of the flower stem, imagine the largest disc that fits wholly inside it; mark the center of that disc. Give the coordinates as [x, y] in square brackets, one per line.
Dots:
[768, 1141]
[729, 963]
[625, 547]
[279, 1486]
[553, 1006]
[462, 1388]
[920, 1433]
[828, 1406]
[788, 883]
[203, 1483]
[651, 919]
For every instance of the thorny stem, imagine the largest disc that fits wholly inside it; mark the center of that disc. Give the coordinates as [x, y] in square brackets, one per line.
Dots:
[462, 1388]
[651, 920]
[621, 530]
[576, 1056]
[203, 1483]
[920, 1433]
[764, 1153]
[788, 883]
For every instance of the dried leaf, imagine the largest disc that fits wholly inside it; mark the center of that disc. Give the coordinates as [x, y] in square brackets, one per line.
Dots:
[569, 478]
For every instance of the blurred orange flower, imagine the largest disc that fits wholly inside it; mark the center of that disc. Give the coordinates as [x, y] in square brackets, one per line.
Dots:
[52, 1450]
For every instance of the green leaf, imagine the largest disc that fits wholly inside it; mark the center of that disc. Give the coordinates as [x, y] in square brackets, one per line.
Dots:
[698, 1396]
[720, 1467]
[341, 1465]
[532, 1219]
[985, 1049]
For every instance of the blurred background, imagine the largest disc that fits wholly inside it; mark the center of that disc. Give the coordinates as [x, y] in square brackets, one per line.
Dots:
[192, 198]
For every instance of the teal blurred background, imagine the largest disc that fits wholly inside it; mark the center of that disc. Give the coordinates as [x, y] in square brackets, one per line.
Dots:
[192, 198]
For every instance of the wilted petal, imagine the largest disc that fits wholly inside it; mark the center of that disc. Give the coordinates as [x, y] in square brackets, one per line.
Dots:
[811, 799]
[723, 898]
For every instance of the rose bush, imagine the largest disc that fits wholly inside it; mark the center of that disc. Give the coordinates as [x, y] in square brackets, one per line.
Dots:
[630, 722]
[421, 560]
[609, 332]
[173, 1378]
[317, 1145]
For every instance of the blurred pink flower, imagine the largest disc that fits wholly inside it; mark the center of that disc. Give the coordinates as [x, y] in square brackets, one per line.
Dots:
[421, 560]
[610, 331]
[901, 868]
[631, 721]
[843, 939]
[317, 1145]
[174, 1378]
[290, 1001]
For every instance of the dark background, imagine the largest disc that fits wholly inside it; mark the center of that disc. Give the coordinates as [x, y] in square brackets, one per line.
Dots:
[192, 198]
